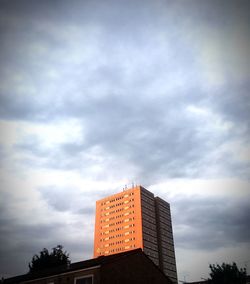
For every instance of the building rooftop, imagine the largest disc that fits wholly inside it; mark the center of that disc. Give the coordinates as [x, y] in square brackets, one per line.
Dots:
[90, 263]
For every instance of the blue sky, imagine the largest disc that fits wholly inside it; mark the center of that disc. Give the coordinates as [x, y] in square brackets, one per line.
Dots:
[98, 94]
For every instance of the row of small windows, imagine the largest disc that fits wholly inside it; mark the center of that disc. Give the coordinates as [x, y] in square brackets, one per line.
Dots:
[118, 210]
[166, 233]
[149, 212]
[167, 241]
[148, 218]
[120, 242]
[164, 215]
[167, 249]
[150, 245]
[111, 231]
[145, 195]
[165, 228]
[169, 266]
[117, 229]
[117, 204]
[163, 204]
[120, 249]
[169, 259]
[149, 209]
[108, 232]
[164, 210]
[148, 225]
[150, 253]
[118, 223]
[117, 217]
[150, 239]
[148, 201]
[149, 232]
[117, 198]
[117, 236]
[165, 223]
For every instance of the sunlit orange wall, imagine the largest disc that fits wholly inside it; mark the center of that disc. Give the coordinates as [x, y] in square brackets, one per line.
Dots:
[118, 223]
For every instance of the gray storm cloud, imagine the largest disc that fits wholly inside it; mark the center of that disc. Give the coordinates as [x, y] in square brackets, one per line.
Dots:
[157, 89]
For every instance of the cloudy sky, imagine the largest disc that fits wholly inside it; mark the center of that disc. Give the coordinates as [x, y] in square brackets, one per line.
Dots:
[98, 94]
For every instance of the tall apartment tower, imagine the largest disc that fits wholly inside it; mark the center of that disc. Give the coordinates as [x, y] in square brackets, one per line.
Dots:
[132, 219]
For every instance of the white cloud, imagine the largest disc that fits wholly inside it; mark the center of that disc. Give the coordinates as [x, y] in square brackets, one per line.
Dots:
[224, 55]
[174, 188]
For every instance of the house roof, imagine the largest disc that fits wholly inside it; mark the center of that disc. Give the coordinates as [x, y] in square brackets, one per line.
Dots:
[99, 261]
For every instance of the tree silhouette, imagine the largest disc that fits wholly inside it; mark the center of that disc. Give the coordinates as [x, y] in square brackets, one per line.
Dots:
[227, 274]
[48, 260]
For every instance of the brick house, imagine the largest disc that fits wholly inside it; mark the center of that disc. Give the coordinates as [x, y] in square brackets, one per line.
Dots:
[132, 267]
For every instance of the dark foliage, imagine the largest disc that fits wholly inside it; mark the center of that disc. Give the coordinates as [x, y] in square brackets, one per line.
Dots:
[227, 274]
[49, 260]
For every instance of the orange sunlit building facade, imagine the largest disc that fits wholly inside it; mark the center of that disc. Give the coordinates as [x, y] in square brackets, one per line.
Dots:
[132, 219]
